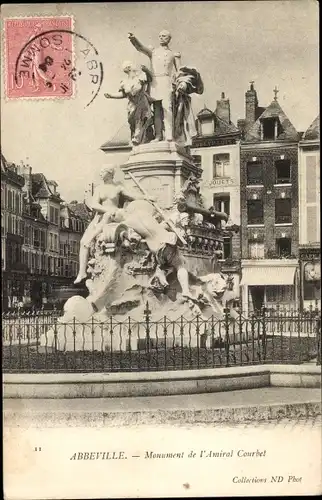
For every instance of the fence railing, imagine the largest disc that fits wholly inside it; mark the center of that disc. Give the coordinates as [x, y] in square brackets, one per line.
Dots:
[43, 343]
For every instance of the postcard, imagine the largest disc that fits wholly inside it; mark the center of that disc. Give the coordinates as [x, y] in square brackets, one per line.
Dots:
[160, 249]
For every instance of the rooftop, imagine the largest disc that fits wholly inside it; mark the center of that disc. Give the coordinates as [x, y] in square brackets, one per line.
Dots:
[80, 210]
[274, 110]
[313, 132]
[42, 188]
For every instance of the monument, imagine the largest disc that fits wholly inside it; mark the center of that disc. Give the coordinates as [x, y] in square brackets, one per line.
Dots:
[151, 239]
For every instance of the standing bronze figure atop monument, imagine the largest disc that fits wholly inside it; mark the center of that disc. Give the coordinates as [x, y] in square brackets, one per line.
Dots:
[159, 95]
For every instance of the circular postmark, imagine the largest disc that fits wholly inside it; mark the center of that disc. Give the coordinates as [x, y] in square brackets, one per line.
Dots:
[48, 65]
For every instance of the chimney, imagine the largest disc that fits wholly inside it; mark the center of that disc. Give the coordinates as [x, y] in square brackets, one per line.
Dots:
[251, 104]
[241, 125]
[28, 181]
[26, 172]
[223, 108]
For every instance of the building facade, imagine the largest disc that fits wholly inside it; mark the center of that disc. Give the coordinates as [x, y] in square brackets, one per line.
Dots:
[309, 216]
[269, 206]
[74, 218]
[40, 237]
[35, 248]
[216, 149]
[12, 235]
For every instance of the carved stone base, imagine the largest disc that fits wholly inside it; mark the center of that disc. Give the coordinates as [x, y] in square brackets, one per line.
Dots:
[161, 168]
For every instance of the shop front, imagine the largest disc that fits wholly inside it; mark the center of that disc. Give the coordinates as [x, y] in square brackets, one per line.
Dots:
[12, 290]
[310, 283]
[269, 283]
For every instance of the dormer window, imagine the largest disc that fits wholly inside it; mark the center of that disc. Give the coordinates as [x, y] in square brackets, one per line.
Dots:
[207, 127]
[270, 129]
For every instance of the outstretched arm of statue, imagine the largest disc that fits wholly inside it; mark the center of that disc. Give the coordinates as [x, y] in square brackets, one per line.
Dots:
[139, 46]
[117, 95]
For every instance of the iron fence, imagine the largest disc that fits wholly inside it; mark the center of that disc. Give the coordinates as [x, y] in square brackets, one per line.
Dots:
[43, 343]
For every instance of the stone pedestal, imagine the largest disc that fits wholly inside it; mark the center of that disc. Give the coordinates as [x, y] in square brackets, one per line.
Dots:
[161, 168]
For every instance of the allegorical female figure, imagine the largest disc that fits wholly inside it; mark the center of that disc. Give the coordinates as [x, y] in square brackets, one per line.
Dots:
[187, 81]
[134, 87]
[105, 203]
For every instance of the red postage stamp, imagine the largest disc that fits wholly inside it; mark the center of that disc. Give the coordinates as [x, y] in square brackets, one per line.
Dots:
[39, 57]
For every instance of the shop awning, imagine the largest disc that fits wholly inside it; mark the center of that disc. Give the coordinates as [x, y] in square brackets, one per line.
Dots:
[263, 275]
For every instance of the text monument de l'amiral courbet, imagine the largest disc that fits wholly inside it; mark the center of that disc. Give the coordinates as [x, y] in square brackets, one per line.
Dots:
[151, 240]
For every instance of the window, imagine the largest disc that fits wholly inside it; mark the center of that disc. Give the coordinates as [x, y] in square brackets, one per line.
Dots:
[283, 171]
[278, 294]
[10, 224]
[269, 129]
[222, 203]
[254, 173]
[17, 203]
[43, 240]
[207, 127]
[51, 214]
[74, 247]
[256, 250]
[221, 165]
[197, 160]
[284, 247]
[56, 216]
[36, 238]
[255, 212]
[227, 248]
[9, 199]
[283, 211]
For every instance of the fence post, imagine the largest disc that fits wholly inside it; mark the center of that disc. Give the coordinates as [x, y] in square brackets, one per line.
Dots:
[264, 337]
[227, 340]
[318, 335]
[147, 313]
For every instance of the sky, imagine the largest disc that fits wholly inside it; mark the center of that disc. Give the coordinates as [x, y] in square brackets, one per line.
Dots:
[273, 42]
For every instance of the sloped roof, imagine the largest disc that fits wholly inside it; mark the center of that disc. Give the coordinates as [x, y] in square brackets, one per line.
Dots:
[313, 132]
[80, 210]
[10, 172]
[274, 110]
[41, 187]
[3, 163]
[222, 127]
[122, 139]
